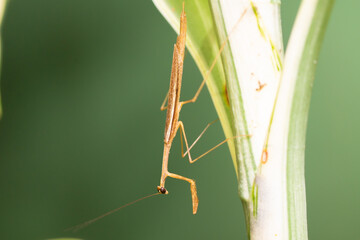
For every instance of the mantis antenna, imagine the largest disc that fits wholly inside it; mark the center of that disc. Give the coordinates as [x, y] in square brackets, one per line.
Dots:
[87, 223]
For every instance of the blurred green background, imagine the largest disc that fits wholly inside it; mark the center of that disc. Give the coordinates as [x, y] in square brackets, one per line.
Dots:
[82, 83]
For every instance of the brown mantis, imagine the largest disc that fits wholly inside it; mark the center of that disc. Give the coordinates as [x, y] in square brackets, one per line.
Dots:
[172, 124]
[174, 106]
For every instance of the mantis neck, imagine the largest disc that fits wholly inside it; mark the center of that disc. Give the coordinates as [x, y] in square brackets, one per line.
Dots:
[164, 171]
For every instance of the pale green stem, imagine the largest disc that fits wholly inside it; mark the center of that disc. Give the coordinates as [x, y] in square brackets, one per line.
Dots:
[303, 49]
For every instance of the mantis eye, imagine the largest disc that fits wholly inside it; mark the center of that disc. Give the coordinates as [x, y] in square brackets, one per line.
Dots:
[162, 190]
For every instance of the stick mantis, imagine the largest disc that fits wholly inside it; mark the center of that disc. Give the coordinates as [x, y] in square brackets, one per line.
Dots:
[172, 124]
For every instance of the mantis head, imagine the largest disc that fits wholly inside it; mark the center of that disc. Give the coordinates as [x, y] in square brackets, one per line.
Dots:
[162, 190]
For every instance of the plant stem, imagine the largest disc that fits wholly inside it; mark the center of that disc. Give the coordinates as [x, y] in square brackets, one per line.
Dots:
[300, 63]
[256, 92]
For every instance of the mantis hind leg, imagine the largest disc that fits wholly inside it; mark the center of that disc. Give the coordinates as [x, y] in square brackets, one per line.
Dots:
[196, 140]
[181, 126]
[182, 134]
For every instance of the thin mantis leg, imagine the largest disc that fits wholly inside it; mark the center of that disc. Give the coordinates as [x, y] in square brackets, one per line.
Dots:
[207, 74]
[201, 86]
[213, 148]
[182, 130]
[198, 138]
[214, 61]
[181, 126]
[163, 107]
[182, 133]
[194, 197]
